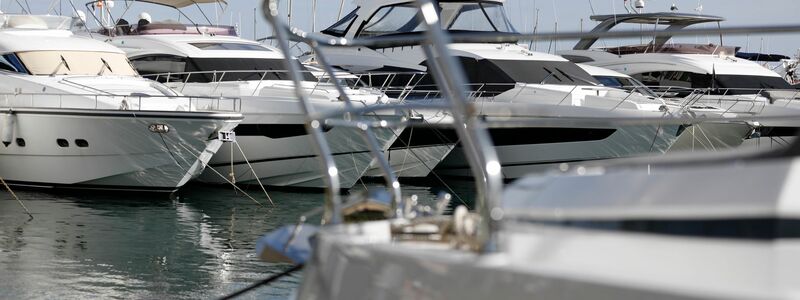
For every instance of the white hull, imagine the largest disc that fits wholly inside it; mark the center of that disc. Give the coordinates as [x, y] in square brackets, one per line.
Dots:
[711, 137]
[625, 233]
[274, 141]
[413, 162]
[122, 152]
[537, 262]
[522, 159]
[288, 162]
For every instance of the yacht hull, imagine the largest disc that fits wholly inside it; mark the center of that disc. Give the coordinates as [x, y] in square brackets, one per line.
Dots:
[360, 261]
[277, 151]
[711, 136]
[520, 158]
[288, 162]
[109, 150]
[413, 162]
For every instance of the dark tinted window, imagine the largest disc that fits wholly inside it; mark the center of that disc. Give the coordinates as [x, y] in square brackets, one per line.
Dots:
[340, 28]
[227, 69]
[160, 64]
[723, 84]
[229, 46]
[609, 81]
[62, 143]
[237, 69]
[545, 72]
[10, 62]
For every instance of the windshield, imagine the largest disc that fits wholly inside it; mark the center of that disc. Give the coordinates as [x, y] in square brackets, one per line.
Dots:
[76, 63]
[628, 84]
[402, 18]
[340, 28]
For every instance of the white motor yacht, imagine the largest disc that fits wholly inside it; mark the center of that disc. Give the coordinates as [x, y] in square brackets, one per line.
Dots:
[76, 115]
[212, 61]
[643, 228]
[702, 136]
[580, 235]
[508, 80]
[694, 74]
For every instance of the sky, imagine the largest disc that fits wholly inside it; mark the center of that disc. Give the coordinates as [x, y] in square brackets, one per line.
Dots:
[523, 13]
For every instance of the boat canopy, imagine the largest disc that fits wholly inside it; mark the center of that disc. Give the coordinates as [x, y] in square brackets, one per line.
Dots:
[400, 17]
[38, 22]
[674, 21]
[762, 57]
[174, 3]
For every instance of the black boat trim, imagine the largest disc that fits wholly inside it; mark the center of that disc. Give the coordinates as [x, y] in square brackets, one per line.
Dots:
[777, 131]
[132, 114]
[97, 187]
[755, 228]
[274, 131]
[236, 163]
[426, 136]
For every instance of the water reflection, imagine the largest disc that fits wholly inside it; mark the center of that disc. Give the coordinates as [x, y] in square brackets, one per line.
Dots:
[199, 245]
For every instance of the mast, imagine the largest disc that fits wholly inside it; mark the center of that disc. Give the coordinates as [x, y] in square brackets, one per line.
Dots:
[289, 15]
[341, 8]
[313, 15]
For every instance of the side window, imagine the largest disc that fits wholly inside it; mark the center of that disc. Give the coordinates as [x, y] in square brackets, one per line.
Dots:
[159, 66]
[649, 78]
[7, 65]
[676, 79]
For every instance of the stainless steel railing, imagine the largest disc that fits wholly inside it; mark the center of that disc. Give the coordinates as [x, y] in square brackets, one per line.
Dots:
[119, 102]
[471, 130]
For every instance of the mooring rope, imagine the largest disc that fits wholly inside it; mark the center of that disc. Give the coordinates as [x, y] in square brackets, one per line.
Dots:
[8, 188]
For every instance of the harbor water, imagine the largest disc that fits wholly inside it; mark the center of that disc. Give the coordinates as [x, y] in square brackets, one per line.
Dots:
[197, 245]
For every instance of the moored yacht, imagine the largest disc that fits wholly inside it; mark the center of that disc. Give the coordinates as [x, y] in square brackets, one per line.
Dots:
[671, 228]
[273, 146]
[508, 80]
[76, 115]
[694, 74]
[702, 136]
[580, 235]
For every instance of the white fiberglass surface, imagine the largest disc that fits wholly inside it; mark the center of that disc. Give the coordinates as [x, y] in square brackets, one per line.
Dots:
[402, 18]
[35, 22]
[76, 63]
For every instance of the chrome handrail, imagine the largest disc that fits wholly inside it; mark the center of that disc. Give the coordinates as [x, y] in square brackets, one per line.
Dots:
[333, 211]
[473, 134]
[123, 102]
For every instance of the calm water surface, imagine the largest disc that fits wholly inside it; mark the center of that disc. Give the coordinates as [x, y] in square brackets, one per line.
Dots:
[198, 246]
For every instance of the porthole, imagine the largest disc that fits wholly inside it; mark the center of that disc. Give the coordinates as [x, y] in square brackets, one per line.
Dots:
[62, 143]
[81, 143]
[21, 142]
